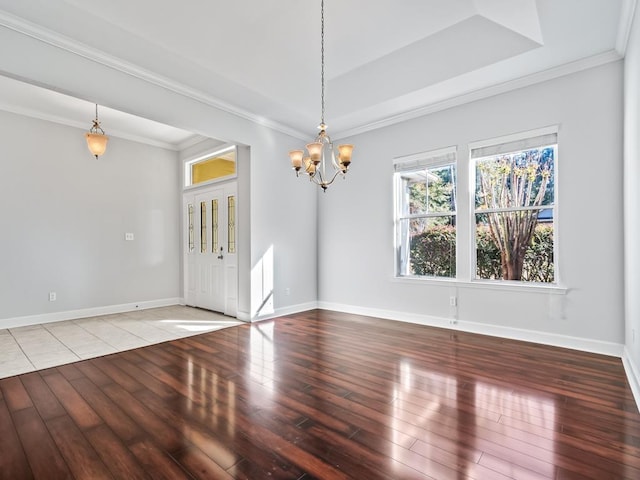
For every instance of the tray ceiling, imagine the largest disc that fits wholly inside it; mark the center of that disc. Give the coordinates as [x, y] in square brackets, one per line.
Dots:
[385, 60]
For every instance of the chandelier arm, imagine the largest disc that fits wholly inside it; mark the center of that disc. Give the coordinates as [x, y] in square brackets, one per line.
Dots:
[335, 175]
[319, 180]
[316, 178]
[333, 159]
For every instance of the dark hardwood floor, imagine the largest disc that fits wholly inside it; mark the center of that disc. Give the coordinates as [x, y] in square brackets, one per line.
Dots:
[329, 396]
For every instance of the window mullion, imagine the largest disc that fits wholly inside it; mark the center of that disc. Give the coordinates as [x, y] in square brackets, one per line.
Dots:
[513, 209]
[417, 216]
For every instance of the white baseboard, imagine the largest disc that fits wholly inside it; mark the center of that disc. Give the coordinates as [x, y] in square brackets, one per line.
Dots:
[633, 375]
[420, 319]
[240, 314]
[280, 312]
[245, 316]
[545, 338]
[564, 341]
[85, 312]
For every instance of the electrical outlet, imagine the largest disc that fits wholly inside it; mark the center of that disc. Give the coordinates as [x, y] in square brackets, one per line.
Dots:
[453, 321]
[453, 301]
[287, 291]
[52, 296]
[129, 236]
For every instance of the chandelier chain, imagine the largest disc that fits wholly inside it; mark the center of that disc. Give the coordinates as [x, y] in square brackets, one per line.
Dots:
[322, 56]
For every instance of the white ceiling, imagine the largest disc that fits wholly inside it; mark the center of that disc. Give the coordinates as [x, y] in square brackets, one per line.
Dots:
[385, 59]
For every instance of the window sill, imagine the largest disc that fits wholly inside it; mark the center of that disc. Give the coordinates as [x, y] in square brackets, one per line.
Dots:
[504, 286]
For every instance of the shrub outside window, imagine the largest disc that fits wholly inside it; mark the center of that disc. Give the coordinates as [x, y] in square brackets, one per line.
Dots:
[514, 210]
[425, 220]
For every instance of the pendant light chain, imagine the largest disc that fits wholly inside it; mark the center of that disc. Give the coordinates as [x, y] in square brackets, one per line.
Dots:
[322, 56]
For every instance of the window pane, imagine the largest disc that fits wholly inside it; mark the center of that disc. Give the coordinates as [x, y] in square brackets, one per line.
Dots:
[231, 202]
[432, 246]
[440, 191]
[520, 179]
[488, 265]
[203, 227]
[217, 165]
[214, 225]
[515, 246]
[211, 169]
[191, 234]
[430, 190]
[514, 240]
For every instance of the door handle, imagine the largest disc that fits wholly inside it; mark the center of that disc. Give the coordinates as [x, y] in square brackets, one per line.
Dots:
[220, 257]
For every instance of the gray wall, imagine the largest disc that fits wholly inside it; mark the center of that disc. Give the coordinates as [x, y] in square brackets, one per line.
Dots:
[64, 217]
[356, 222]
[632, 200]
[280, 210]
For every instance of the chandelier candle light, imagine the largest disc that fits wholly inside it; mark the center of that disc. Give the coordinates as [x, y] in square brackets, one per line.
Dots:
[96, 138]
[322, 147]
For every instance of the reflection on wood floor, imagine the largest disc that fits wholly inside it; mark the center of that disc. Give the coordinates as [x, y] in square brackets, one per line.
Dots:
[324, 395]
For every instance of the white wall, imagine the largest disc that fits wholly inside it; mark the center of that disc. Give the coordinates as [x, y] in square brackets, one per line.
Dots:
[280, 210]
[632, 203]
[64, 216]
[356, 219]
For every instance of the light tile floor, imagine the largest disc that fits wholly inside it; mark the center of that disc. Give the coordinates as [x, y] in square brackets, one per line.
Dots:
[35, 347]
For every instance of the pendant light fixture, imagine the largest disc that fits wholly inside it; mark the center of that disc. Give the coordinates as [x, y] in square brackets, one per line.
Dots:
[96, 138]
[321, 151]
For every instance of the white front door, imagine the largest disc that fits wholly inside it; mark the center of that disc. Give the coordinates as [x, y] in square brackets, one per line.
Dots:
[211, 273]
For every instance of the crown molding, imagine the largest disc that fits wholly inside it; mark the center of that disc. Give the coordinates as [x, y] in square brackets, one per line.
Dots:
[74, 47]
[77, 48]
[627, 12]
[193, 140]
[493, 90]
[28, 112]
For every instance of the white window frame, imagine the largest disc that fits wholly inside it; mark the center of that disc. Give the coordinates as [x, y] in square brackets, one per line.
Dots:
[408, 163]
[510, 144]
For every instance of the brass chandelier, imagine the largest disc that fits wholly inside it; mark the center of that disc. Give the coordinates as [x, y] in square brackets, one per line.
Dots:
[320, 151]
